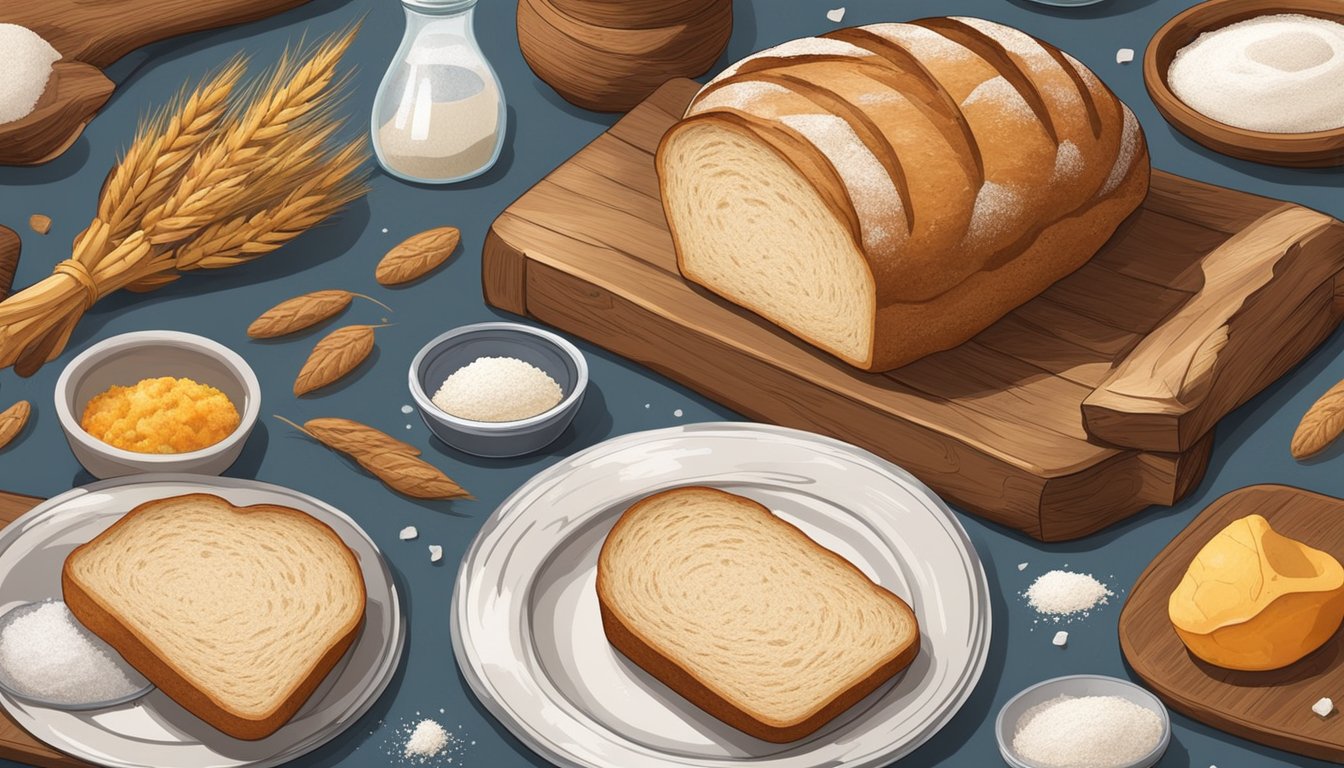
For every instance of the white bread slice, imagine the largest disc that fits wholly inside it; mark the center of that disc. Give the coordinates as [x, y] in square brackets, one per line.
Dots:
[236, 613]
[744, 615]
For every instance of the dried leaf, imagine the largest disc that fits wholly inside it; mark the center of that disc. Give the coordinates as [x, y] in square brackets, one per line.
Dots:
[337, 354]
[356, 439]
[41, 224]
[383, 456]
[13, 420]
[1321, 425]
[300, 312]
[416, 256]
[10, 245]
[411, 476]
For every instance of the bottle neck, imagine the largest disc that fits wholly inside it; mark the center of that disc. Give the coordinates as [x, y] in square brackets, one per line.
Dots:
[439, 9]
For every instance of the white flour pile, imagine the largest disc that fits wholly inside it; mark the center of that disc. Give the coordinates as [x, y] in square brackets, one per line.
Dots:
[1087, 732]
[1063, 593]
[25, 60]
[48, 655]
[498, 389]
[1279, 73]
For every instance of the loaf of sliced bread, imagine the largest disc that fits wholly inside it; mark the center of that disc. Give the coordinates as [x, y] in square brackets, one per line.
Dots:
[236, 613]
[744, 615]
[888, 191]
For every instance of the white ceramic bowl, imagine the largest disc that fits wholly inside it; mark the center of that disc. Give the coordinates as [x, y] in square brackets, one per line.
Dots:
[447, 353]
[128, 358]
[1077, 686]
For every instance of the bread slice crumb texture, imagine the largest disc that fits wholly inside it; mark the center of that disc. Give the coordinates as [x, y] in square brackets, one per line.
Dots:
[242, 603]
[748, 605]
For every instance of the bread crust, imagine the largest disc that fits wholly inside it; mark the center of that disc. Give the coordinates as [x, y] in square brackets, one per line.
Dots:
[640, 650]
[138, 652]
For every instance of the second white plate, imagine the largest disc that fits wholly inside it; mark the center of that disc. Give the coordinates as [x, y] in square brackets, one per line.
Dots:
[529, 639]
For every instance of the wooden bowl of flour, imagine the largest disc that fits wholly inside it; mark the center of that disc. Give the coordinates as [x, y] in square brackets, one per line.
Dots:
[1316, 149]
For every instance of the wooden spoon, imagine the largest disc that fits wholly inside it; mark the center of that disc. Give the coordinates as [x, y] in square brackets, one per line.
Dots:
[74, 93]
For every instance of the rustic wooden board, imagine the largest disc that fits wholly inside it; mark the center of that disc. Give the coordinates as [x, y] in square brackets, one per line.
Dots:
[15, 743]
[1272, 708]
[1084, 406]
[91, 34]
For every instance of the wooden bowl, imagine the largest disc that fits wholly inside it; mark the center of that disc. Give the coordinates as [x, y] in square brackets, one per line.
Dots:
[635, 14]
[1318, 149]
[74, 94]
[608, 69]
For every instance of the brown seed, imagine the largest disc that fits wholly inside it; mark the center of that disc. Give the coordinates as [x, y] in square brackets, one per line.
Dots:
[416, 256]
[337, 354]
[13, 420]
[10, 245]
[356, 439]
[40, 223]
[1321, 425]
[411, 476]
[300, 312]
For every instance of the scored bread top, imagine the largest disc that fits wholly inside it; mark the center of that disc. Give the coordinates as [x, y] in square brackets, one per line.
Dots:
[985, 133]
[243, 604]
[746, 604]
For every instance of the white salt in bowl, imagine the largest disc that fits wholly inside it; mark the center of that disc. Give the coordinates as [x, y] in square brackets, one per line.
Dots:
[126, 359]
[1077, 686]
[454, 350]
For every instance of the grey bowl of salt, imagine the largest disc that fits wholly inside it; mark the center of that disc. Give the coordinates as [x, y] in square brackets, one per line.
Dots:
[498, 389]
[48, 658]
[1083, 721]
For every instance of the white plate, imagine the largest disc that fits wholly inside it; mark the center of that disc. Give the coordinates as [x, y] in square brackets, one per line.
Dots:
[529, 640]
[155, 731]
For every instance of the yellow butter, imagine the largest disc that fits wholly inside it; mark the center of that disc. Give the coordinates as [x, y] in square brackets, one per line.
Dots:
[1253, 599]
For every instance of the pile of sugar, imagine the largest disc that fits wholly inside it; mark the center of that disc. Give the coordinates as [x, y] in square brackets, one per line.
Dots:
[1087, 732]
[1278, 73]
[1062, 593]
[47, 655]
[498, 389]
[25, 60]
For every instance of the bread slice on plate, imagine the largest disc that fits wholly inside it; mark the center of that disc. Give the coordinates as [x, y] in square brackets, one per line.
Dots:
[236, 613]
[744, 615]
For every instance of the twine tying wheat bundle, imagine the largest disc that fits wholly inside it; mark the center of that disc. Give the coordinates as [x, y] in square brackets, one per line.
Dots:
[213, 181]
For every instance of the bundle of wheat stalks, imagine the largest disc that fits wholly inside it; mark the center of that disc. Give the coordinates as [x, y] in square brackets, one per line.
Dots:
[220, 177]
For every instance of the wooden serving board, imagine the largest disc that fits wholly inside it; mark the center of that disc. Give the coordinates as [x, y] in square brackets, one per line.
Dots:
[15, 743]
[90, 35]
[1274, 707]
[1079, 409]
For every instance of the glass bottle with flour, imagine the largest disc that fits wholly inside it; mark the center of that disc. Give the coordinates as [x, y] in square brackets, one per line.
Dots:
[439, 115]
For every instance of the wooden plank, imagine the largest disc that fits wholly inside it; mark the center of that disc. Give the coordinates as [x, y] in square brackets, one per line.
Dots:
[15, 743]
[1267, 301]
[1274, 707]
[996, 425]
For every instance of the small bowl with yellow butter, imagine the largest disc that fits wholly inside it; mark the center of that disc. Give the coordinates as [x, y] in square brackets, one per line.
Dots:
[157, 401]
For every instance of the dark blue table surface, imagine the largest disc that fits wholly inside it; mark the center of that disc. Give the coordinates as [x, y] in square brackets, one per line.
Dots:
[1251, 446]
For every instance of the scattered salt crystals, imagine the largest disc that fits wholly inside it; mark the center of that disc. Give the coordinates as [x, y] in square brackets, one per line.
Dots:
[435, 553]
[498, 389]
[1063, 593]
[1022, 566]
[408, 426]
[408, 533]
[406, 409]
[1323, 707]
[836, 15]
[1278, 73]
[1087, 732]
[678, 413]
[48, 655]
[427, 740]
[1061, 638]
[384, 230]
[1124, 55]
[647, 405]
[26, 60]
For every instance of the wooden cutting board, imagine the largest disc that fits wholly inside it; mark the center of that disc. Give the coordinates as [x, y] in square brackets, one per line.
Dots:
[15, 743]
[1272, 708]
[1079, 409]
